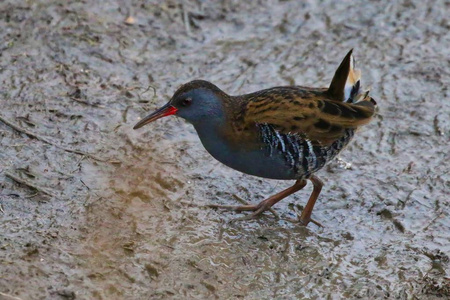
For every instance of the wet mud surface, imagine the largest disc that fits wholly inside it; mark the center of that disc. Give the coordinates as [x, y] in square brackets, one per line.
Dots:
[90, 209]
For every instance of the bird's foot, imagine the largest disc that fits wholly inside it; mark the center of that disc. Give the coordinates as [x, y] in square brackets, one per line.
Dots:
[303, 222]
[257, 209]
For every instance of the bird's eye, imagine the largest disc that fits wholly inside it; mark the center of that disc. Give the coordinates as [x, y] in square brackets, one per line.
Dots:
[186, 101]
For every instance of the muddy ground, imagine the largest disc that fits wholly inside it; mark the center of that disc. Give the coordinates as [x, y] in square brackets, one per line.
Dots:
[90, 209]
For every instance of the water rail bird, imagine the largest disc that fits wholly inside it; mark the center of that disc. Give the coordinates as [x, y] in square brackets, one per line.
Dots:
[285, 133]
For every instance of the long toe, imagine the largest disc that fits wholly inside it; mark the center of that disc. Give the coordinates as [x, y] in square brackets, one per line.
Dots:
[234, 207]
[254, 215]
[257, 209]
[244, 218]
[304, 222]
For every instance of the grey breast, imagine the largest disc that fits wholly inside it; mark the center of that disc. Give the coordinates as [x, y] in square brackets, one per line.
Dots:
[256, 161]
[280, 156]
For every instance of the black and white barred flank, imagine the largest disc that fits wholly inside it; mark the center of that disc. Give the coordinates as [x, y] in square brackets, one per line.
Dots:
[299, 153]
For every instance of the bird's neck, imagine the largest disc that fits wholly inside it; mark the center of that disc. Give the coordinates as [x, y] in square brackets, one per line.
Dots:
[224, 126]
[219, 115]
[210, 128]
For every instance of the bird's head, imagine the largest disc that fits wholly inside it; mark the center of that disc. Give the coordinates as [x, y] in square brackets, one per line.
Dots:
[197, 101]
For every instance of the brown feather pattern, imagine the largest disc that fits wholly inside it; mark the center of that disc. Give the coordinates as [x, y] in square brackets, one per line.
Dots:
[308, 113]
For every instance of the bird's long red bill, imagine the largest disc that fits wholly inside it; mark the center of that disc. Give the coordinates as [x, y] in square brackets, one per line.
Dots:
[164, 111]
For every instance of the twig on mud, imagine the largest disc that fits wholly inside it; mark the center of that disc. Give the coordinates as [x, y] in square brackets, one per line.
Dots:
[86, 103]
[393, 142]
[1, 209]
[32, 196]
[85, 184]
[29, 184]
[186, 22]
[77, 164]
[9, 296]
[147, 89]
[437, 129]
[42, 139]
[407, 198]
[187, 203]
[91, 191]
[432, 221]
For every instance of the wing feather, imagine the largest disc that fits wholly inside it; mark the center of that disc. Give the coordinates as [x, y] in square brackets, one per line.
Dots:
[316, 118]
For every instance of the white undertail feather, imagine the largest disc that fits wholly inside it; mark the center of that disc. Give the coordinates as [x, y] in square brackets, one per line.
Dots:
[352, 86]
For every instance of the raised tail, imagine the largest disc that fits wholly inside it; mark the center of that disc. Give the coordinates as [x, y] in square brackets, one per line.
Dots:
[346, 83]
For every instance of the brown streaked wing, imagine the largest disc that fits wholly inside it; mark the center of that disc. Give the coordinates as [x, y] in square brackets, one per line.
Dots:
[318, 119]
